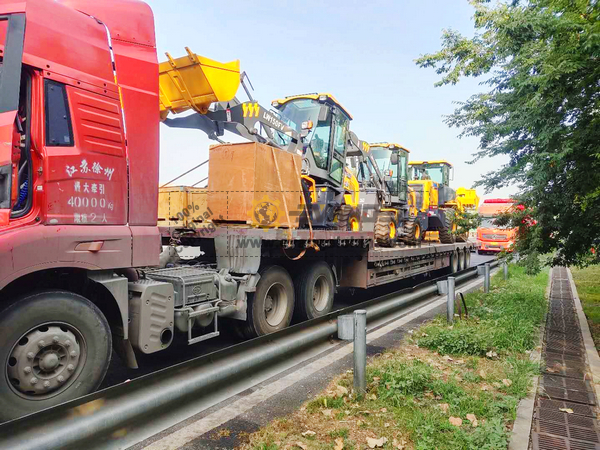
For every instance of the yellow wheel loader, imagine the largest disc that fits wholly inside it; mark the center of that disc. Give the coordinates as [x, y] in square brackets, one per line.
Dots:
[437, 203]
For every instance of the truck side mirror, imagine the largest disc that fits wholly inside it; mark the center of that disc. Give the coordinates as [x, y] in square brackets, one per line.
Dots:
[394, 158]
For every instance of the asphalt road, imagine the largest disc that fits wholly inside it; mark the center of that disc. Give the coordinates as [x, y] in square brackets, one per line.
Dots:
[179, 351]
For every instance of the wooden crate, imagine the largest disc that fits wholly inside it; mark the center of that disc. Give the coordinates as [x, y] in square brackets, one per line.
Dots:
[182, 206]
[245, 187]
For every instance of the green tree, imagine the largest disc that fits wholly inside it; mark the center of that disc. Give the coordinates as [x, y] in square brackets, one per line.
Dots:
[540, 61]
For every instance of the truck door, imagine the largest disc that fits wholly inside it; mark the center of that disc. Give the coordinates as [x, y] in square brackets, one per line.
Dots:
[12, 34]
[86, 165]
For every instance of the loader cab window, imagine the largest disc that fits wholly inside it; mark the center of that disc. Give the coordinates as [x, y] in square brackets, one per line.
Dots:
[303, 111]
[339, 146]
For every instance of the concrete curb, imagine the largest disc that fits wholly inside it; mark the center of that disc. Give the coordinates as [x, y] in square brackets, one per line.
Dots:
[590, 349]
[521, 432]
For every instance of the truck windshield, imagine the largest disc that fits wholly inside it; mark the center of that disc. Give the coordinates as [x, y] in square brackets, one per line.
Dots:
[490, 222]
[296, 112]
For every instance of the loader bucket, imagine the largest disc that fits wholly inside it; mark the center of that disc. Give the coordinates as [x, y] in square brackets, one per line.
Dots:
[194, 82]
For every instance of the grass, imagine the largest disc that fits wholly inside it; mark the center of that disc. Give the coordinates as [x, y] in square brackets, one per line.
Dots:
[587, 282]
[445, 387]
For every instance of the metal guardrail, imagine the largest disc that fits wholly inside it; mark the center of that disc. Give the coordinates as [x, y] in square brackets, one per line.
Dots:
[102, 415]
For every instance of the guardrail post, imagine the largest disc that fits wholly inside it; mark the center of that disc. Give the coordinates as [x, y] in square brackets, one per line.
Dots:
[451, 300]
[360, 351]
[486, 280]
[505, 267]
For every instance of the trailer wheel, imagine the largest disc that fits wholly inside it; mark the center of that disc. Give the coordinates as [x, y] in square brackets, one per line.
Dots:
[386, 230]
[314, 289]
[461, 260]
[454, 262]
[467, 258]
[270, 308]
[57, 347]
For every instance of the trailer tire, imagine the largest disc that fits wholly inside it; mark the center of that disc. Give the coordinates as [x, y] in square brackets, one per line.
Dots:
[271, 307]
[461, 260]
[467, 258]
[454, 262]
[314, 290]
[57, 347]
[386, 230]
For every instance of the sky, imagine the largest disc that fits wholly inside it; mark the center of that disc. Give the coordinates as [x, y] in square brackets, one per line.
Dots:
[361, 52]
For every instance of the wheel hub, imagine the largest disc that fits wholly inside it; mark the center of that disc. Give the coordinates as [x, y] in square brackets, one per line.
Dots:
[43, 360]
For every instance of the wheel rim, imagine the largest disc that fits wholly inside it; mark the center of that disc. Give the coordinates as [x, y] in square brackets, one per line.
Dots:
[353, 224]
[46, 360]
[392, 230]
[321, 293]
[275, 304]
[417, 233]
[454, 227]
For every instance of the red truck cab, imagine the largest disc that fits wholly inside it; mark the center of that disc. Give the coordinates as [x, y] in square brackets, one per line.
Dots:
[490, 237]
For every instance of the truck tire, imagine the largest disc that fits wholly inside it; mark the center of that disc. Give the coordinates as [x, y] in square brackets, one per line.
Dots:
[271, 307]
[445, 233]
[56, 347]
[386, 230]
[314, 290]
[413, 231]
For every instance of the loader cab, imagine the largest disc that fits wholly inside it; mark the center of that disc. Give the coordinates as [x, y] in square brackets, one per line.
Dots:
[323, 122]
[440, 172]
[392, 160]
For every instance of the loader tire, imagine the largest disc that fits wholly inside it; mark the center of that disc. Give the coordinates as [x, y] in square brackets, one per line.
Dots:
[446, 234]
[413, 231]
[346, 218]
[386, 230]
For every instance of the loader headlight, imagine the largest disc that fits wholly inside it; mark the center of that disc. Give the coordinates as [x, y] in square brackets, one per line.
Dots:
[274, 104]
[322, 98]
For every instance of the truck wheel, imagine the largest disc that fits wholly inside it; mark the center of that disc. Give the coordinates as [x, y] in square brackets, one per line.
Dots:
[454, 262]
[413, 231]
[270, 308]
[314, 289]
[445, 233]
[56, 347]
[386, 230]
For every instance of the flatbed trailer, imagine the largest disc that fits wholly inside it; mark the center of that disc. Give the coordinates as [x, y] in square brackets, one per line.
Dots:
[356, 260]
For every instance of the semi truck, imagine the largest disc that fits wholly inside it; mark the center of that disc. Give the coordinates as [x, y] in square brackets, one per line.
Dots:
[83, 265]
